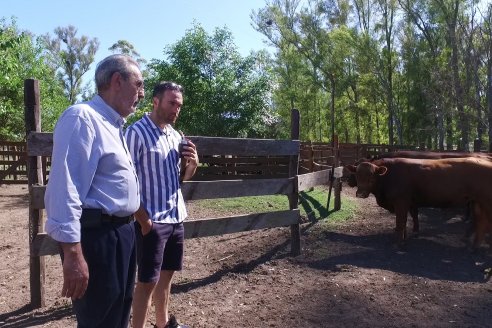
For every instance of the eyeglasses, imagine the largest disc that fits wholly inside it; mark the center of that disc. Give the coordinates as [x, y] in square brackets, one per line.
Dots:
[163, 86]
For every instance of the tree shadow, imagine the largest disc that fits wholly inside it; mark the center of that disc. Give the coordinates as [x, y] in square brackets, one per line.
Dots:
[26, 316]
[276, 252]
[16, 201]
[314, 209]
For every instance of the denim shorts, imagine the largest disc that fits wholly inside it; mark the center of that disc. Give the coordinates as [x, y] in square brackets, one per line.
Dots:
[161, 249]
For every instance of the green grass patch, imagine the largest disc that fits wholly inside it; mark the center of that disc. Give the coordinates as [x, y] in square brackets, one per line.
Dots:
[312, 205]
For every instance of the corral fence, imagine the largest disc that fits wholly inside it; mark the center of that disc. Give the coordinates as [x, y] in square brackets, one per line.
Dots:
[13, 162]
[287, 183]
[313, 157]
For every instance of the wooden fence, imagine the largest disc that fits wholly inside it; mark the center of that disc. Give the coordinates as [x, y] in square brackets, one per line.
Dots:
[13, 163]
[313, 156]
[39, 144]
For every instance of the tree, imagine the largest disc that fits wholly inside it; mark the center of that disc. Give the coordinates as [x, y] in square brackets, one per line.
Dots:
[126, 48]
[71, 57]
[21, 58]
[225, 94]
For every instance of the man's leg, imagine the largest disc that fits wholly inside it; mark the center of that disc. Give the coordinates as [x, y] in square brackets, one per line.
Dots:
[150, 252]
[141, 302]
[161, 298]
[108, 251]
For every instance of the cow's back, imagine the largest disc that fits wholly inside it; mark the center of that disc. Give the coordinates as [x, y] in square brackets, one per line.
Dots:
[440, 183]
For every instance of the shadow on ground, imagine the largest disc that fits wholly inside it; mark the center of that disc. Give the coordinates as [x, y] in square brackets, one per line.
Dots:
[26, 317]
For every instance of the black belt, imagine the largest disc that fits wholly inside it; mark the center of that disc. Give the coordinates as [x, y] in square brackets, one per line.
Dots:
[116, 219]
[94, 218]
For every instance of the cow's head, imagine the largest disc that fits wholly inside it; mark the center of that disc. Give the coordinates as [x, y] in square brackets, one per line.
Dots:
[349, 176]
[366, 174]
[349, 173]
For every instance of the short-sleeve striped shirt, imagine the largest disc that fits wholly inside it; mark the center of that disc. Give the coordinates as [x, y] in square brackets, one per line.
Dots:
[156, 158]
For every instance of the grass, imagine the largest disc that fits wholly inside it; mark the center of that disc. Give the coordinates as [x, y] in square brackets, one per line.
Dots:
[312, 204]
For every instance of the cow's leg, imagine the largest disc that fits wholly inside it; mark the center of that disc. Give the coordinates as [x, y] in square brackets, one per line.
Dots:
[401, 211]
[414, 213]
[480, 217]
[469, 219]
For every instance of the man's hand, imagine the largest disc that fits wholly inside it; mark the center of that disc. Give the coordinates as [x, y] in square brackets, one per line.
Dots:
[190, 156]
[144, 220]
[75, 271]
[146, 226]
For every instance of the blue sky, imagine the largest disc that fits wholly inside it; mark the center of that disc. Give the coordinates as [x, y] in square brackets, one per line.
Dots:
[149, 25]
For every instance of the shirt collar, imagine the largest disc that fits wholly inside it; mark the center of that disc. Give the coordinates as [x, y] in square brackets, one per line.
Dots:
[108, 112]
[167, 130]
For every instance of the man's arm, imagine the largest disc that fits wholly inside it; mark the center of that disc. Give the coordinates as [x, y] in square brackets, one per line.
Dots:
[75, 271]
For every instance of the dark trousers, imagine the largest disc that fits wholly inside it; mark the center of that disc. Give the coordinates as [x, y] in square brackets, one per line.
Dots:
[111, 257]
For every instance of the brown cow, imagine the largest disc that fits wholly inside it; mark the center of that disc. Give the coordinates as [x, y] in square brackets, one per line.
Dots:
[350, 178]
[352, 182]
[406, 183]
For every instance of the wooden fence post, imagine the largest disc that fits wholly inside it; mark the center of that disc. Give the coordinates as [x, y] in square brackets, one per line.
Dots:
[32, 115]
[295, 229]
[337, 183]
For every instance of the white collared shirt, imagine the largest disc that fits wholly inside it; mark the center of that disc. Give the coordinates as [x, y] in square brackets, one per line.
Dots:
[90, 168]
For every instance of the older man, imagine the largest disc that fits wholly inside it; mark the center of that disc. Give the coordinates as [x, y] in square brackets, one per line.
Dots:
[92, 195]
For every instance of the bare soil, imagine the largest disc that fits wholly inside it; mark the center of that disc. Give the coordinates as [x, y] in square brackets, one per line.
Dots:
[349, 274]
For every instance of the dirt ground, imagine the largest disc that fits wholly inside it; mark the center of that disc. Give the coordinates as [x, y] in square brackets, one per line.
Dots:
[349, 275]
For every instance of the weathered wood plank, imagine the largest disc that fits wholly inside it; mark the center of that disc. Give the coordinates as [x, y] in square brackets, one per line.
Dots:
[245, 146]
[209, 177]
[36, 196]
[44, 245]
[243, 169]
[309, 180]
[240, 160]
[295, 228]
[222, 226]
[32, 115]
[194, 190]
[39, 143]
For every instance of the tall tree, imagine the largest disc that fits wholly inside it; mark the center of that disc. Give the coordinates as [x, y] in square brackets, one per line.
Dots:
[487, 36]
[21, 58]
[126, 48]
[71, 56]
[225, 94]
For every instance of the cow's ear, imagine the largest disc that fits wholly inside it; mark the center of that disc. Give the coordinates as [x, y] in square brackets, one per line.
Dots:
[350, 168]
[381, 170]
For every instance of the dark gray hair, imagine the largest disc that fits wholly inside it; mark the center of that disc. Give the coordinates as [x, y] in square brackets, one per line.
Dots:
[166, 85]
[117, 63]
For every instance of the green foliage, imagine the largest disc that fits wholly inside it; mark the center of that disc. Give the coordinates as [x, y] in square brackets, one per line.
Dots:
[389, 71]
[71, 57]
[126, 48]
[225, 94]
[21, 58]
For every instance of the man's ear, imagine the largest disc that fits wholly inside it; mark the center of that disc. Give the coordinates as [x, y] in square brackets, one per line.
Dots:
[116, 79]
[155, 101]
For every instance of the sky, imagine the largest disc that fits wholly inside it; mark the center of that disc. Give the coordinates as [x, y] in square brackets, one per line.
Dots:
[150, 25]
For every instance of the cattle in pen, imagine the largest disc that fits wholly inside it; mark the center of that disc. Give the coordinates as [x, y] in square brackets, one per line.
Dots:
[402, 184]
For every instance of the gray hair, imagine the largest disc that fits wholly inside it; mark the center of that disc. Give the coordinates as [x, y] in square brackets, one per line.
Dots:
[117, 63]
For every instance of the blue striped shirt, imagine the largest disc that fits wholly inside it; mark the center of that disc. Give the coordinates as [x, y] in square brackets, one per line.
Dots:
[157, 161]
[90, 168]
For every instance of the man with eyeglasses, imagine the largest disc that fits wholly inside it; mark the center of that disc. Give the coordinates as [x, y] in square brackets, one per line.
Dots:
[92, 194]
[161, 164]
